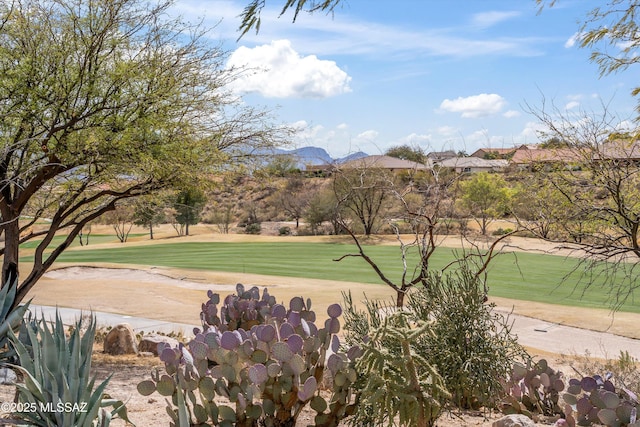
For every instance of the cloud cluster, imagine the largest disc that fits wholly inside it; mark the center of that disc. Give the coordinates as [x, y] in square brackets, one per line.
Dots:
[475, 106]
[276, 70]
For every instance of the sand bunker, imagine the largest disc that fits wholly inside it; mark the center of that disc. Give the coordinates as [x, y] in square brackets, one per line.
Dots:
[129, 275]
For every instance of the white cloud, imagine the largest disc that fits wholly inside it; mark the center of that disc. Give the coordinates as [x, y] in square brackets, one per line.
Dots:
[488, 19]
[306, 132]
[276, 70]
[415, 138]
[447, 130]
[475, 106]
[571, 105]
[511, 114]
[572, 40]
[342, 126]
[531, 132]
[626, 126]
[368, 135]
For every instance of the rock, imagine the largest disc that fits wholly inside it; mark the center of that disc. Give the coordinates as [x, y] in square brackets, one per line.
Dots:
[8, 376]
[514, 420]
[150, 343]
[121, 340]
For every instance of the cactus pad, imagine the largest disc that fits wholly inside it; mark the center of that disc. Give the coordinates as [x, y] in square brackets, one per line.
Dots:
[281, 352]
[296, 304]
[279, 311]
[334, 310]
[308, 389]
[295, 343]
[258, 373]
[146, 388]
[229, 340]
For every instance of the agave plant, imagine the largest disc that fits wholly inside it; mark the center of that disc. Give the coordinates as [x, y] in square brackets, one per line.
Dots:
[58, 389]
[10, 319]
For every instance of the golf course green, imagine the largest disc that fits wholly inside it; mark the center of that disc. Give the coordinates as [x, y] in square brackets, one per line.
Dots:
[523, 276]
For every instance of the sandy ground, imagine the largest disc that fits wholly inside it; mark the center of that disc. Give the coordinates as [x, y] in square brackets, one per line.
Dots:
[176, 295]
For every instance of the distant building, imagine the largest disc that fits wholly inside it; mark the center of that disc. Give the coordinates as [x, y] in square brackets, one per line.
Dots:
[473, 164]
[386, 162]
[437, 156]
[627, 150]
[529, 158]
[494, 153]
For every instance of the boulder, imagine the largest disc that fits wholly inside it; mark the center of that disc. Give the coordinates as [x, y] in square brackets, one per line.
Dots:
[8, 376]
[514, 420]
[121, 340]
[150, 343]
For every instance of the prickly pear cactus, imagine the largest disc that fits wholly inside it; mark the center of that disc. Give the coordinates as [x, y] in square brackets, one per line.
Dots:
[533, 390]
[266, 359]
[595, 400]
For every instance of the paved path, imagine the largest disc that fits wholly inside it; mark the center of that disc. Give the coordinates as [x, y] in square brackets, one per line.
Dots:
[568, 340]
[139, 324]
[531, 332]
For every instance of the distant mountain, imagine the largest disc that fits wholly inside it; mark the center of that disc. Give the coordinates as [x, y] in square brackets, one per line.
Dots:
[317, 156]
[354, 156]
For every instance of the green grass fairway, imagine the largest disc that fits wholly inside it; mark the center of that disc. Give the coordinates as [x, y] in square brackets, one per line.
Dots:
[530, 277]
[94, 239]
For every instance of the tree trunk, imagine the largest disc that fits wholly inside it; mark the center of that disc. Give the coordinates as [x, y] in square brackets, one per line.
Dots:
[151, 231]
[186, 229]
[11, 250]
[400, 299]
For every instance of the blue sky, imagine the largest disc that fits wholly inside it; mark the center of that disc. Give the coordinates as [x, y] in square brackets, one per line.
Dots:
[440, 74]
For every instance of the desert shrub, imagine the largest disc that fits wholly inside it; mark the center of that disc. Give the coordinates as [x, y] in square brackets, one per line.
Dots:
[264, 359]
[446, 227]
[466, 342]
[253, 228]
[502, 231]
[284, 231]
[471, 345]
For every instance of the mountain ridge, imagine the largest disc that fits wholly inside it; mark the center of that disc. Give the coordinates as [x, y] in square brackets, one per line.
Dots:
[314, 156]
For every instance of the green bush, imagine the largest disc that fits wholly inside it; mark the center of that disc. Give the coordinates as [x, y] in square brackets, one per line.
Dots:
[471, 346]
[284, 231]
[502, 231]
[466, 342]
[254, 228]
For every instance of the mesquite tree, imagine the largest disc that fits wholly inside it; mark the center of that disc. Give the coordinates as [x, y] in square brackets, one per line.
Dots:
[101, 101]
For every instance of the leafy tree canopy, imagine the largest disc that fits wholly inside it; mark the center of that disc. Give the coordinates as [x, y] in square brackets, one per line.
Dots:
[406, 152]
[101, 101]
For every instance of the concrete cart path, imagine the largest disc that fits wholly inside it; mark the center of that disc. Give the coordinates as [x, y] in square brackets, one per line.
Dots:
[569, 340]
[139, 324]
[535, 333]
